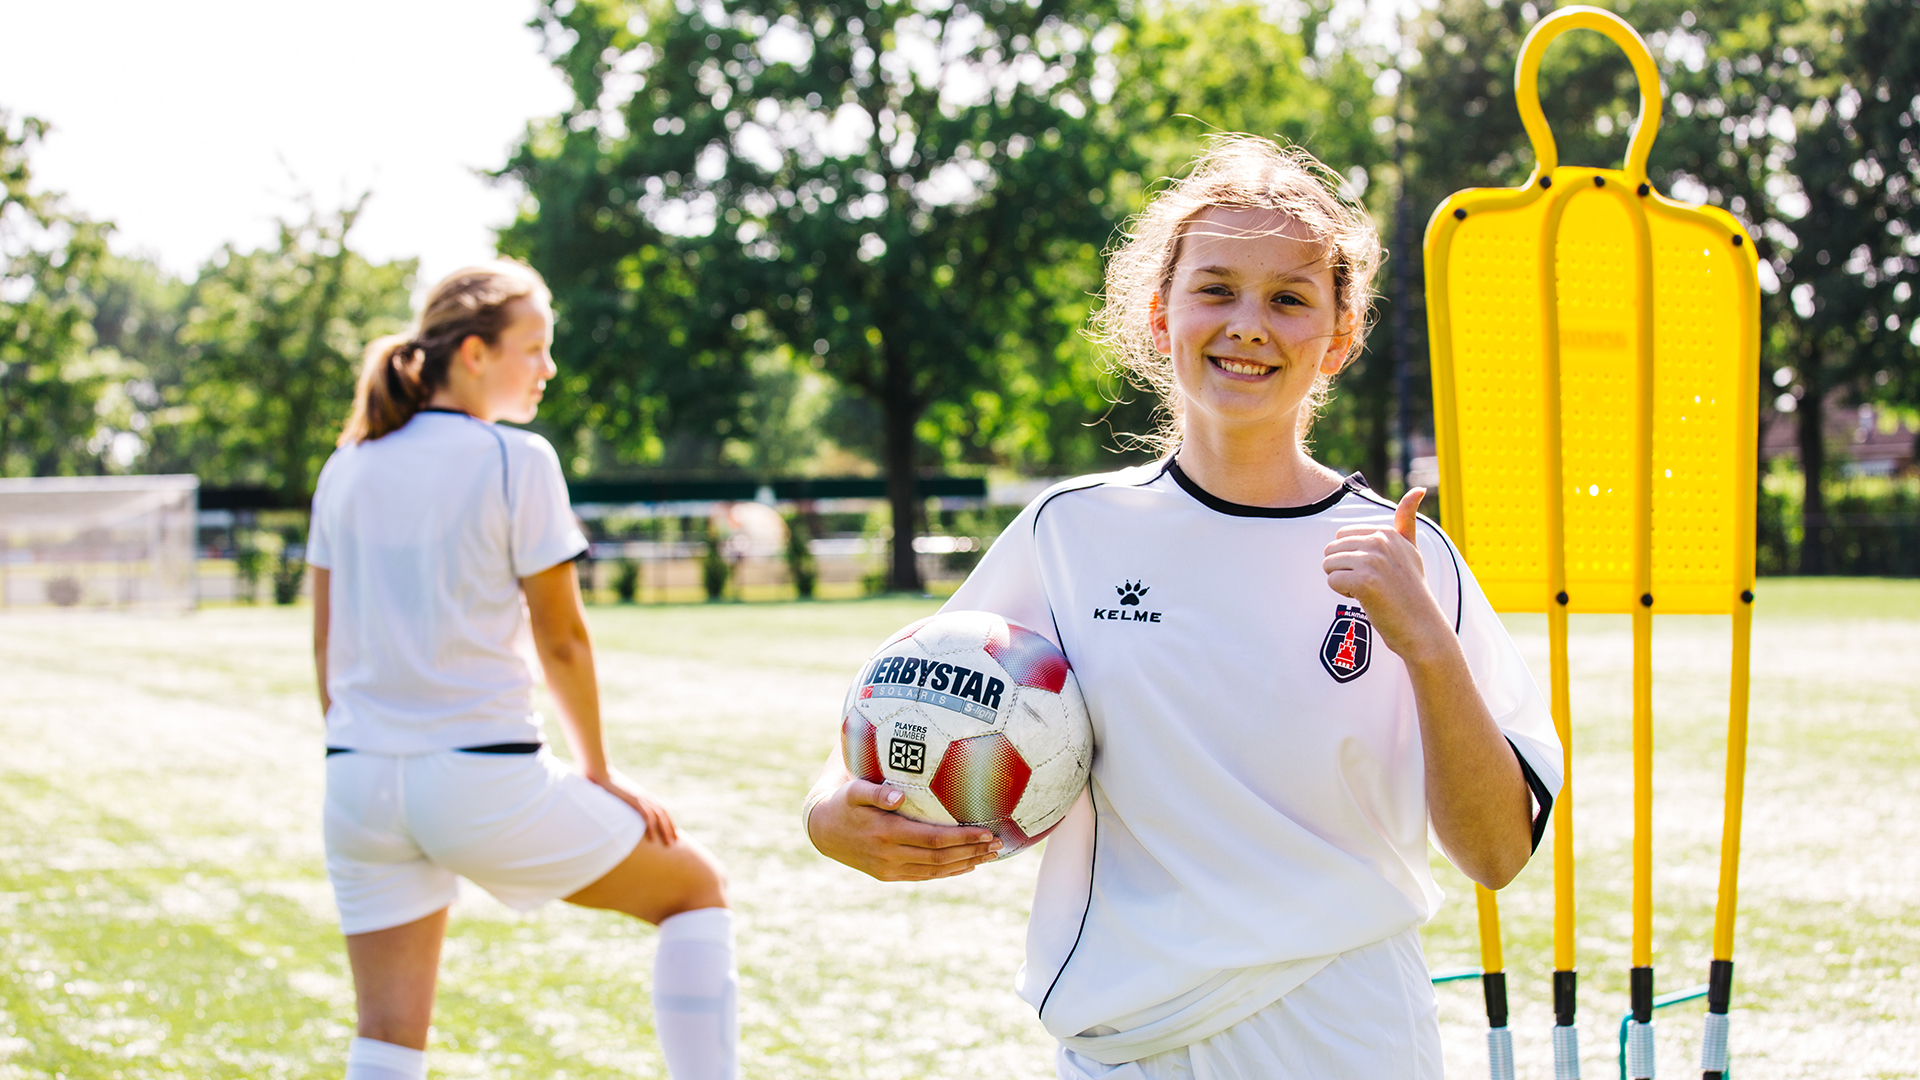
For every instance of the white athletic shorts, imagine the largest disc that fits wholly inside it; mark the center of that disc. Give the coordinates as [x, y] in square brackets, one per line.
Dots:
[402, 830]
[1369, 1015]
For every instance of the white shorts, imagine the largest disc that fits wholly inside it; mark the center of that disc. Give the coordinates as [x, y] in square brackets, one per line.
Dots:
[1368, 1015]
[402, 830]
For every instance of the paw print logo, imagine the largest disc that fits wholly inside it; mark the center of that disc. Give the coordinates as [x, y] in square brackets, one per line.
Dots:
[1130, 593]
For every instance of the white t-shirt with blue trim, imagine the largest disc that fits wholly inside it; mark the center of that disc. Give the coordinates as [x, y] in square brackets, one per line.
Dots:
[426, 533]
[1258, 801]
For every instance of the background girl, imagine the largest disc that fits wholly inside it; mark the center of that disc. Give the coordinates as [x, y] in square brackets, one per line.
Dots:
[439, 542]
[1239, 892]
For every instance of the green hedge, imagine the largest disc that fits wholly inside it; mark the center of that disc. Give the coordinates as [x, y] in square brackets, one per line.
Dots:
[1871, 527]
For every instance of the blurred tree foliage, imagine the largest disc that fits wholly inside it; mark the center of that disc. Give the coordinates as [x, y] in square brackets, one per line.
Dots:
[1843, 233]
[268, 352]
[888, 190]
[1194, 69]
[1798, 117]
[56, 405]
[109, 364]
[138, 310]
[790, 235]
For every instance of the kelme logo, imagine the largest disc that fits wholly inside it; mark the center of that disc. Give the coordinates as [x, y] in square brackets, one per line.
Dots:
[1129, 592]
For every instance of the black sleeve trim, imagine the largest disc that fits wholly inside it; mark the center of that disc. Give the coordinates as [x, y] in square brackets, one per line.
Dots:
[1094, 482]
[1042, 508]
[1542, 798]
[506, 497]
[1093, 861]
[1459, 575]
[1101, 482]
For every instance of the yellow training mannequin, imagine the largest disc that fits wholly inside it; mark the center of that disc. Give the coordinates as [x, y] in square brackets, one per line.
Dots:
[1595, 351]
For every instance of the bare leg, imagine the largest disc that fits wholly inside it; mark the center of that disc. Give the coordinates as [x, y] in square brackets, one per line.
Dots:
[681, 889]
[394, 972]
[655, 882]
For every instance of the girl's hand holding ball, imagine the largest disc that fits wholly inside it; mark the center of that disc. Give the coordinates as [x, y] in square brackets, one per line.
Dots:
[858, 826]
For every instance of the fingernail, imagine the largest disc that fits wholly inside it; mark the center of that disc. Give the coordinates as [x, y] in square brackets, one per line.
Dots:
[984, 837]
[993, 847]
[890, 797]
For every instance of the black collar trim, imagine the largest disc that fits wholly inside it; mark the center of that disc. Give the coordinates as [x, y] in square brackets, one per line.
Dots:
[1213, 502]
[449, 412]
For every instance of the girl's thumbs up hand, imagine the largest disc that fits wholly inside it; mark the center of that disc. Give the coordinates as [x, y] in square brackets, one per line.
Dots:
[1380, 566]
[1405, 514]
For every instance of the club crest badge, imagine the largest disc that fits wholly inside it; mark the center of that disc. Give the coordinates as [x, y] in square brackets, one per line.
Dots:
[1349, 644]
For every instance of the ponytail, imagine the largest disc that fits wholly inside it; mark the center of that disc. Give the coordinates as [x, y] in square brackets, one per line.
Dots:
[390, 389]
[400, 373]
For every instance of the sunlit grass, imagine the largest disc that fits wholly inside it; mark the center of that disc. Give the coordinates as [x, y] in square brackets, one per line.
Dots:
[163, 910]
[1827, 953]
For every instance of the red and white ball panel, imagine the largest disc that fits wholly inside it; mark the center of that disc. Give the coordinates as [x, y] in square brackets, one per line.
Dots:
[978, 721]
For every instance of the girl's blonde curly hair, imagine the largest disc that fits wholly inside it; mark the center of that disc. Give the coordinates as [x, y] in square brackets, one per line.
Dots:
[1241, 172]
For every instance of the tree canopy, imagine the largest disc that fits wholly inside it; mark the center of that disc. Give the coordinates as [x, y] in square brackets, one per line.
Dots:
[54, 383]
[270, 346]
[1797, 117]
[787, 232]
[883, 188]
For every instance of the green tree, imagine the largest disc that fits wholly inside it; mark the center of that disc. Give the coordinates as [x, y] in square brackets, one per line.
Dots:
[651, 367]
[879, 186]
[138, 311]
[1197, 68]
[1846, 255]
[1801, 119]
[1458, 126]
[1885, 129]
[271, 345]
[1746, 83]
[1798, 118]
[53, 380]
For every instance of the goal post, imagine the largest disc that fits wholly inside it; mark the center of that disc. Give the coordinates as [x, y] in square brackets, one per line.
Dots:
[98, 542]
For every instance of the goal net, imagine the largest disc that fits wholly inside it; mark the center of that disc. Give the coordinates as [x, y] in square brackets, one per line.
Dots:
[98, 541]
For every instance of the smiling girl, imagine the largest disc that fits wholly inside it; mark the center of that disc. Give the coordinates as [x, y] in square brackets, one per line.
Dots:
[1239, 892]
[439, 542]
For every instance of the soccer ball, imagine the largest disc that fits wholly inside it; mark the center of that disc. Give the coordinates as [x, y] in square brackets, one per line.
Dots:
[977, 720]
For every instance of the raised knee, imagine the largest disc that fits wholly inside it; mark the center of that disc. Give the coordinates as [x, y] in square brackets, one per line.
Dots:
[713, 883]
[706, 883]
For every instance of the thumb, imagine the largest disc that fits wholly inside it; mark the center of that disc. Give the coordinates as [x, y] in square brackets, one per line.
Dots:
[1403, 515]
[867, 793]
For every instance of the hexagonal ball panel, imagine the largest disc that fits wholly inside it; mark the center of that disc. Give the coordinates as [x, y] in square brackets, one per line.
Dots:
[1031, 659]
[859, 743]
[981, 779]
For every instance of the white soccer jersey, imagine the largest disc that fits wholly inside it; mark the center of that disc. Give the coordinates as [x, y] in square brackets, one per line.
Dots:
[1258, 801]
[427, 532]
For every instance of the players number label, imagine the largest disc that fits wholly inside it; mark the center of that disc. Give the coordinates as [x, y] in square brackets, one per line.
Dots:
[906, 755]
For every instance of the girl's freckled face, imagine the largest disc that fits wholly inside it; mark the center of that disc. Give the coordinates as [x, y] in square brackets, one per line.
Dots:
[1249, 319]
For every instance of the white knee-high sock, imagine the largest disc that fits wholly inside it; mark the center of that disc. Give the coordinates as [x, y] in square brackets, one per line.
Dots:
[693, 995]
[371, 1059]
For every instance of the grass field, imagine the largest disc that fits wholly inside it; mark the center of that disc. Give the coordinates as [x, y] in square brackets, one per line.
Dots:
[163, 910]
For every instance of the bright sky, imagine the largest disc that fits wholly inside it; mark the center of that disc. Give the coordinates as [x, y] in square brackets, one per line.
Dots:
[193, 123]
